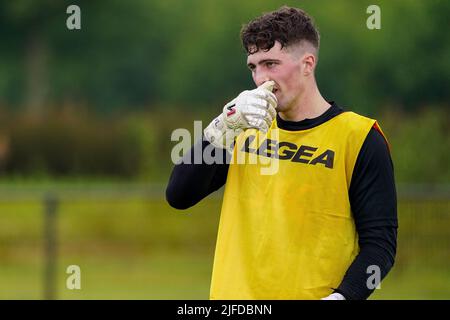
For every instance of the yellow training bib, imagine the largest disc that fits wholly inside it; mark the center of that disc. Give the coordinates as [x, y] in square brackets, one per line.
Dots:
[286, 229]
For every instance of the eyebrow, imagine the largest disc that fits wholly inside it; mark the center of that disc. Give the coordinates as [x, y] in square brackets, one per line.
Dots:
[262, 62]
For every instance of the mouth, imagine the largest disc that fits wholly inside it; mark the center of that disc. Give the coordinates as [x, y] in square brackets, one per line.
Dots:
[275, 90]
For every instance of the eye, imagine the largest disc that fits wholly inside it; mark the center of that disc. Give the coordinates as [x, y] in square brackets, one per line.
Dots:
[251, 67]
[270, 64]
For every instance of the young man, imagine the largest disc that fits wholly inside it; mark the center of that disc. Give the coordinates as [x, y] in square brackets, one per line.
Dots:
[324, 224]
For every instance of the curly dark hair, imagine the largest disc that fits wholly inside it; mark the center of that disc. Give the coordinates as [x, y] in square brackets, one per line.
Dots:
[286, 25]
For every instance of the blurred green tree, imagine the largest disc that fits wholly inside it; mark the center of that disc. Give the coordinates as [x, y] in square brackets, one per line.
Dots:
[137, 54]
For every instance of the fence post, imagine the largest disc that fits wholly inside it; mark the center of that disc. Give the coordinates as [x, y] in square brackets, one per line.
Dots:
[51, 204]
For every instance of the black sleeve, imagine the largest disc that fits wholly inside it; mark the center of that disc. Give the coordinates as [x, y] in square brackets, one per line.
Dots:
[190, 182]
[374, 205]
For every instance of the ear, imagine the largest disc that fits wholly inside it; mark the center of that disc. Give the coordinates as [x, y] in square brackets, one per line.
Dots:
[308, 64]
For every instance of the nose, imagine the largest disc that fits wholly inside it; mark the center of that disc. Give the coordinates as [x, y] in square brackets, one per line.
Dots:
[259, 77]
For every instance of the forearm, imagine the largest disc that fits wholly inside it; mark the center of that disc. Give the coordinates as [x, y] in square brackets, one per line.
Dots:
[190, 182]
[377, 253]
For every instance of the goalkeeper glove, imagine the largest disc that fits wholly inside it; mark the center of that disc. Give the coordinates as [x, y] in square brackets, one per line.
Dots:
[250, 109]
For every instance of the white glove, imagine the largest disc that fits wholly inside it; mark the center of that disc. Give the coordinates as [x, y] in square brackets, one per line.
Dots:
[250, 109]
[334, 296]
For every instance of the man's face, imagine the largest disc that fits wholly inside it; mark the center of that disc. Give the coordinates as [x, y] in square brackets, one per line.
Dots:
[282, 65]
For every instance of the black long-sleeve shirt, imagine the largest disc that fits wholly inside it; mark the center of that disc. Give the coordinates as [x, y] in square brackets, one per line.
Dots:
[372, 197]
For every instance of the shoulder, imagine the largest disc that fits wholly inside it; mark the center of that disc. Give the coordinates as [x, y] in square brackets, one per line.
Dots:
[353, 128]
[376, 144]
[355, 121]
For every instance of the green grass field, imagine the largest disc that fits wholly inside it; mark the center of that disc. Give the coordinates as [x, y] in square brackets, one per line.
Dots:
[134, 246]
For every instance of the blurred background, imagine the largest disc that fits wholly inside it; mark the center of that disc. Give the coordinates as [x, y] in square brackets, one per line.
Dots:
[86, 118]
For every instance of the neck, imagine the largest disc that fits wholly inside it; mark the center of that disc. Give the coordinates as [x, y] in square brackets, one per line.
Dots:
[310, 104]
